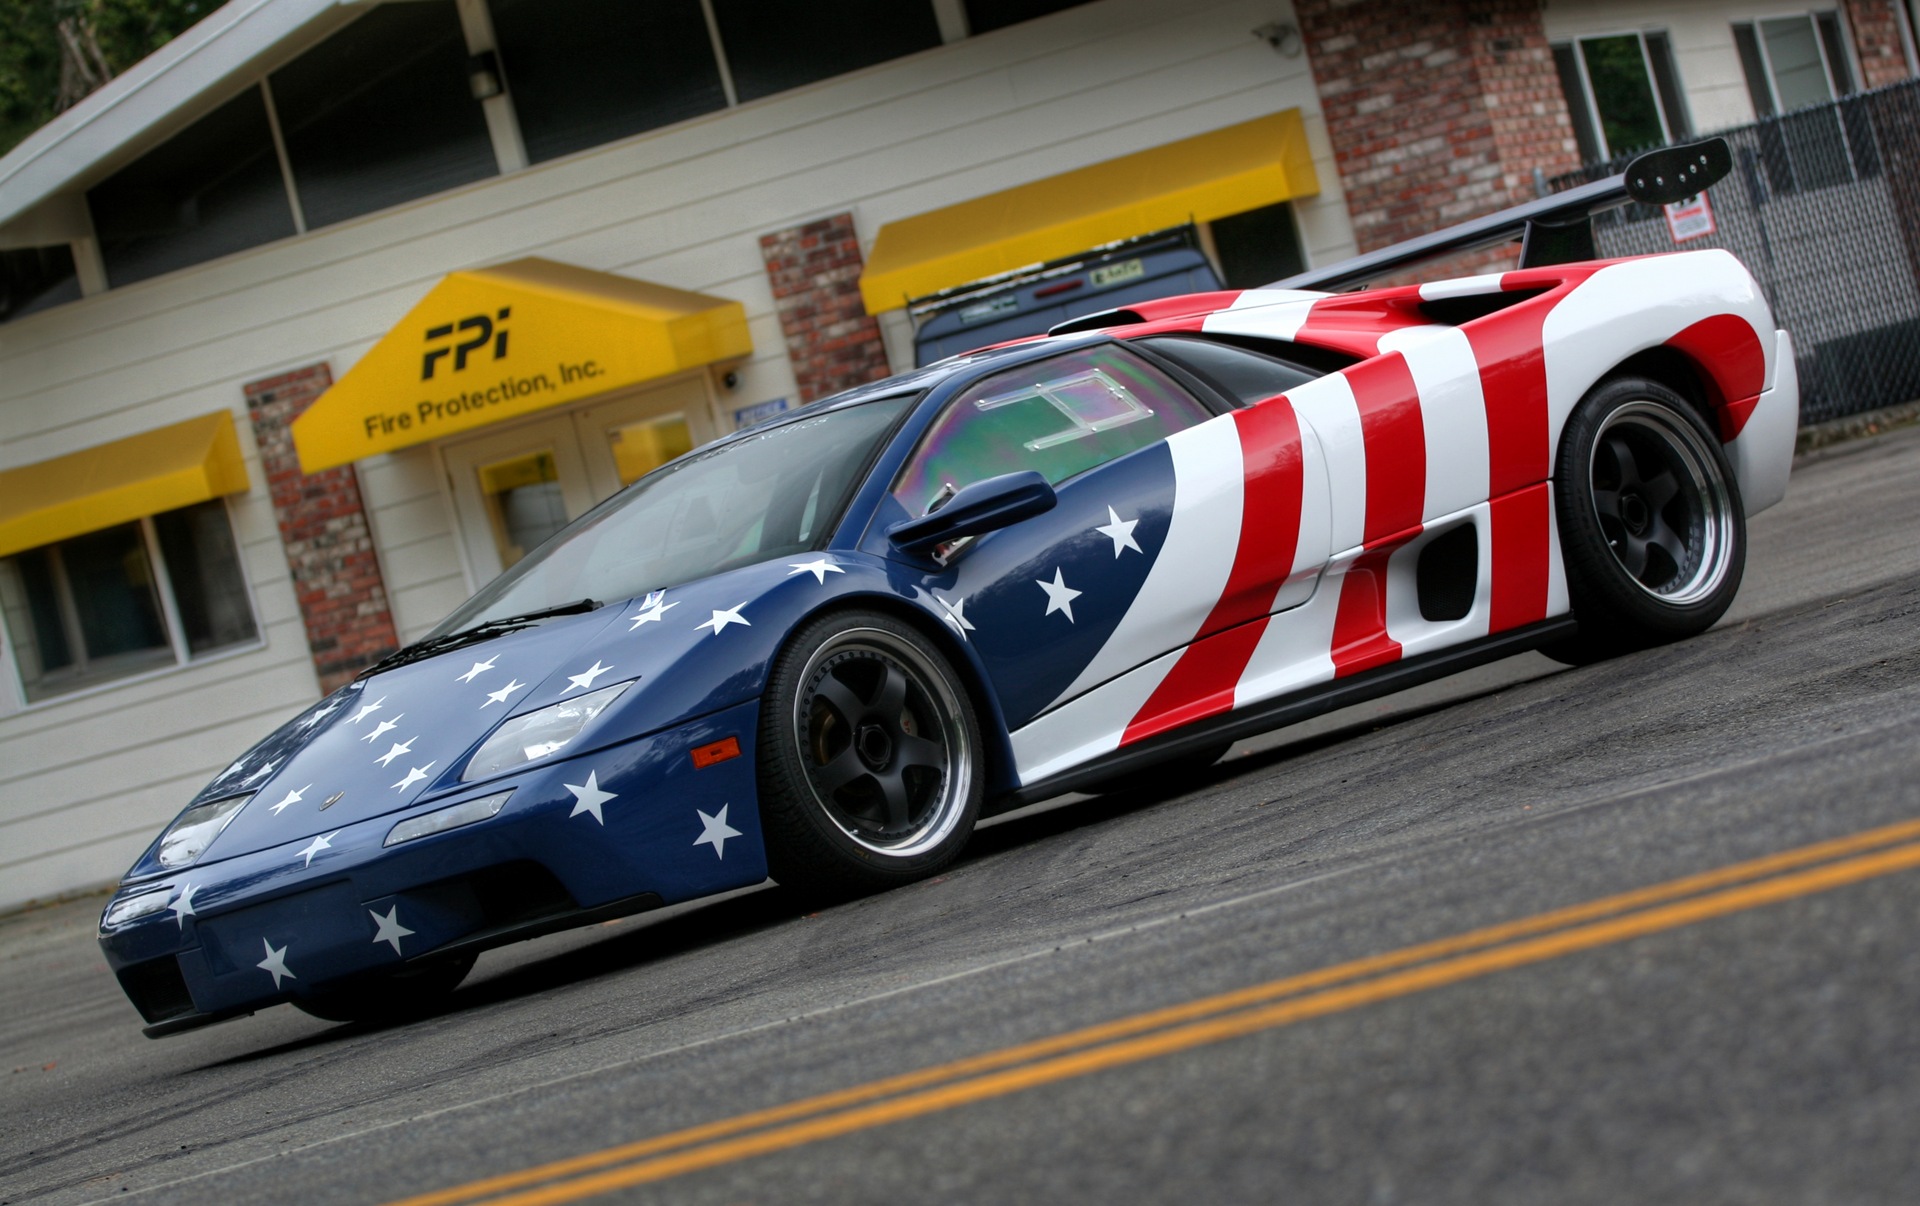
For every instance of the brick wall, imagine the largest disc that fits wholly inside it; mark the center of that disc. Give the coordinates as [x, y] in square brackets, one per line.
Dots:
[1877, 40]
[1437, 111]
[323, 528]
[833, 342]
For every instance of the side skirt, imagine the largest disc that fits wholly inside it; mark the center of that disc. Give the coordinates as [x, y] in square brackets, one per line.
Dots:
[1289, 709]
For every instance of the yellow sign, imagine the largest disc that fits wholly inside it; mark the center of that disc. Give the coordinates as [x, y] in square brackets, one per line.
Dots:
[501, 342]
[140, 475]
[1212, 175]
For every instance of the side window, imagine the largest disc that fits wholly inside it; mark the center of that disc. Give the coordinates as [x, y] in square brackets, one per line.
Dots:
[1246, 377]
[1060, 417]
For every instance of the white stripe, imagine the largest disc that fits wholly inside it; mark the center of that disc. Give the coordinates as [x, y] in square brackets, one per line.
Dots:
[1558, 601]
[1088, 726]
[1466, 286]
[1296, 648]
[1310, 545]
[1414, 632]
[1453, 415]
[1327, 406]
[1190, 573]
[1263, 320]
[1253, 299]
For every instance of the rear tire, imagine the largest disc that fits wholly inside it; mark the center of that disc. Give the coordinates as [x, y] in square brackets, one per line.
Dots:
[870, 767]
[394, 996]
[1652, 529]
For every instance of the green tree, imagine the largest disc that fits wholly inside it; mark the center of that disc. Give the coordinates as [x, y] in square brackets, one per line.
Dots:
[54, 52]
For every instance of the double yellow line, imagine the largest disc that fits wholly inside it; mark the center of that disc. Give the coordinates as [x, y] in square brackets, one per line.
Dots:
[1650, 910]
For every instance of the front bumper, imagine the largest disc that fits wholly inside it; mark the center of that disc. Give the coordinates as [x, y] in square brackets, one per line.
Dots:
[360, 908]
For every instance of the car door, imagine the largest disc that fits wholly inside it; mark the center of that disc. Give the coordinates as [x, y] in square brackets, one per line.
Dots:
[1174, 522]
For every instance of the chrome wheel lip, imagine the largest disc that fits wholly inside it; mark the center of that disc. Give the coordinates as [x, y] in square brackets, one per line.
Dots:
[1686, 454]
[957, 781]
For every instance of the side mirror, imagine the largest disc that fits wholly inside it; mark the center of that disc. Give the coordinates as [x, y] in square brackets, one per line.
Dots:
[1675, 173]
[986, 506]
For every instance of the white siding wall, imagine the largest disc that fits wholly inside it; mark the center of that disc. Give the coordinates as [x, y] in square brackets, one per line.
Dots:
[85, 783]
[1703, 50]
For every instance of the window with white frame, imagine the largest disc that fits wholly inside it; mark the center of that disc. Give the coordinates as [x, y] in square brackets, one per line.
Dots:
[1793, 62]
[1623, 93]
[129, 599]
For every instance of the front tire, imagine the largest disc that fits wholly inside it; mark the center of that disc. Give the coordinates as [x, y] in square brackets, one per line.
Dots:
[870, 767]
[1652, 528]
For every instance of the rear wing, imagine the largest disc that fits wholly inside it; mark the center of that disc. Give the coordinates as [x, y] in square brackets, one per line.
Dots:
[1556, 229]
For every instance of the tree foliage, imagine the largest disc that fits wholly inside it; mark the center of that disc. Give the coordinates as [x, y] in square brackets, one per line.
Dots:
[55, 51]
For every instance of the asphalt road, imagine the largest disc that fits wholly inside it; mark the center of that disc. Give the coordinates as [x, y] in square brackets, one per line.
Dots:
[1381, 958]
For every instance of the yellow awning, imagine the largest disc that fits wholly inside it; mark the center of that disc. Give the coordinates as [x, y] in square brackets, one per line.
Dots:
[113, 483]
[501, 342]
[1214, 175]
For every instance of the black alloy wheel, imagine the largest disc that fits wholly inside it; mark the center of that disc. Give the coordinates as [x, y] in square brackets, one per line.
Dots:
[1652, 528]
[870, 765]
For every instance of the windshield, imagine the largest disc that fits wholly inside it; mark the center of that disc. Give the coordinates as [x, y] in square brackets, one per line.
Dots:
[771, 494]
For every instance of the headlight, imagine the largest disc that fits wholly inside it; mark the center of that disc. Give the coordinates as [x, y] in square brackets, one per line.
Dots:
[196, 829]
[442, 819]
[537, 734]
[133, 907]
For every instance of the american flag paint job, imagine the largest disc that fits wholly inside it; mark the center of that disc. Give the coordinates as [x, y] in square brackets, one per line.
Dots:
[1260, 554]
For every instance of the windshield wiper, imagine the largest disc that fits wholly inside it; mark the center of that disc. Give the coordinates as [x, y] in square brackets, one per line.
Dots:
[486, 630]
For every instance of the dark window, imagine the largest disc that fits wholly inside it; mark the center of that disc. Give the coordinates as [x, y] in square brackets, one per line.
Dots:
[1666, 78]
[773, 45]
[986, 15]
[203, 566]
[1796, 67]
[1258, 247]
[1246, 377]
[91, 609]
[586, 72]
[1623, 93]
[1060, 417]
[212, 189]
[1755, 68]
[382, 112]
[34, 278]
[1575, 89]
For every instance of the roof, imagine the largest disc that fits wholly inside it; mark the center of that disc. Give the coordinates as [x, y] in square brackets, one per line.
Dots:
[153, 99]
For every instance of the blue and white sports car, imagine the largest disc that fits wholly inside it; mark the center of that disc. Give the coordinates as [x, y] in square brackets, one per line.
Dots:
[818, 650]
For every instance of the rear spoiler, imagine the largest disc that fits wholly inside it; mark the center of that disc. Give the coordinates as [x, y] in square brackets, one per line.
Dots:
[1556, 229]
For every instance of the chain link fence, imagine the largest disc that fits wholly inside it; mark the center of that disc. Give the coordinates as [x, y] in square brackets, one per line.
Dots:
[1823, 206]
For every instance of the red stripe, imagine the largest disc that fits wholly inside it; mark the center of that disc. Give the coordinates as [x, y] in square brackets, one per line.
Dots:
[1202, 682]
[1734, 359]
[1522, 547]
[1360, 640]
[1396, 444]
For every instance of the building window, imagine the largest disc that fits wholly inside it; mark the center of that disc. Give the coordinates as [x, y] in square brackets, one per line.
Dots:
[1623, 93]
[34, 278]
[210, 190]
[774, 45]
[984, 16]
[382, 112]
[1796, 68]
[129, 599]
[587, 72]
[1793, 62]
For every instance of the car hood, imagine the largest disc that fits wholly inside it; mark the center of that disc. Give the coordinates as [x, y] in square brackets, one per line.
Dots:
[401, 738]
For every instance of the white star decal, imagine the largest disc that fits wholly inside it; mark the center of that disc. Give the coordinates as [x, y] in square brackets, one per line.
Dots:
[956, 610]
[390, 929]
[1060, 596]
[500, 696]
[651, 611]
[479, 668]
[723, 618]
[584, 679]
[588, 797]
[275, 964]
[292, 797]
[397, 750]
[182, 905]
[323, 842]
[414, 776]
[321, 715]
[1120, 531]
[383, 728]
[366, 710]
[236, 766]
[262, 773]
[714, 831]
[819, 567]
